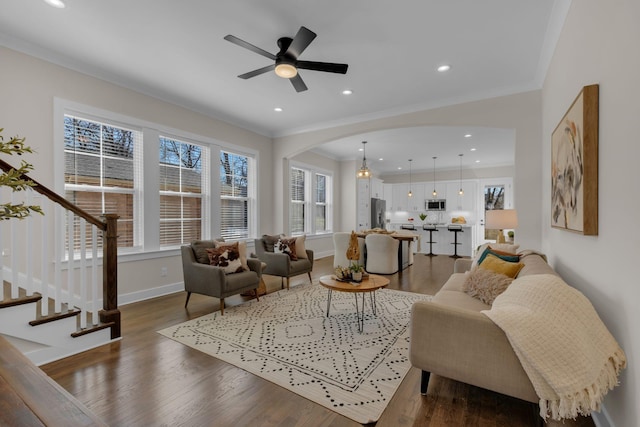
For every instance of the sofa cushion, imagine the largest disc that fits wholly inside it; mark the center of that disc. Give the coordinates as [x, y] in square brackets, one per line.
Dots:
[497, 265]
[200, 247]
[242, 251]
[485, 284]
[505, 256]
[269, 241]
[301, 250]
[286, 246]
[535, 263]
[227, 258]
[503, 247]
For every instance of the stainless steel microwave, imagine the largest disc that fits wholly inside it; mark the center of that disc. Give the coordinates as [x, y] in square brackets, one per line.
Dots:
[436, 205]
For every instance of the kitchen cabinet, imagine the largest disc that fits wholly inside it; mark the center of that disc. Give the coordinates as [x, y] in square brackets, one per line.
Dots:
[415, 203]
[377, 189]
[400, 200]
[440, 187]
[465, 202]
[399, 197]
[363, 204]
[387, 192]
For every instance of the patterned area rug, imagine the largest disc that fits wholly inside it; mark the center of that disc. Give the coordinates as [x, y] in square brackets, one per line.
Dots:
[287, 338]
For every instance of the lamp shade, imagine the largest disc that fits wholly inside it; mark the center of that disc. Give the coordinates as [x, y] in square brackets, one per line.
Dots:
[500, 219]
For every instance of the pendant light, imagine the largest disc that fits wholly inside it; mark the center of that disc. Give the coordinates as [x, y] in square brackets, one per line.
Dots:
[364, 171]
[435, 193]
[410, 193]
[460, 192]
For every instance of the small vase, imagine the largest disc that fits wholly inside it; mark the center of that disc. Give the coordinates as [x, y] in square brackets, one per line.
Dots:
[357, 277]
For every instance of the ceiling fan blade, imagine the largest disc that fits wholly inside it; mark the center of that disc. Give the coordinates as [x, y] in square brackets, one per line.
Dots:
[303, 38]
[246, 45]
[328, 67]
[298, 84]
[257, 72]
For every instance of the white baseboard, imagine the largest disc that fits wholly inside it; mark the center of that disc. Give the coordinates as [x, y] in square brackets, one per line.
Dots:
[124, 299]
[602, 418]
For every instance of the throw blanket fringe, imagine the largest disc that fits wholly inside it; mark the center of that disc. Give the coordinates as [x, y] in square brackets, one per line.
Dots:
[589, 399]
[569, 355]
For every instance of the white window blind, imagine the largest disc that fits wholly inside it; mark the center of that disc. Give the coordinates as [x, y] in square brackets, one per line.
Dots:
[102, 174]
[183, 167]
[321, 223]
[297, 216]
[235, 180]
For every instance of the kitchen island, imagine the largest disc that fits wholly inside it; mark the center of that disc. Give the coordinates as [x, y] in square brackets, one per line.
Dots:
[443, 239]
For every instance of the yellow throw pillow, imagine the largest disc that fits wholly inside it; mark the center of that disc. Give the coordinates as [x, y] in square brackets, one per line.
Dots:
[495, 264]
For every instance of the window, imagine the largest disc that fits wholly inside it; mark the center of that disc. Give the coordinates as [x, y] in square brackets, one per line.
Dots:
[298, 198]
[99, 173]
[310, 206]
[321, 203]
[181, 191]
[235, 206]
[163, 198]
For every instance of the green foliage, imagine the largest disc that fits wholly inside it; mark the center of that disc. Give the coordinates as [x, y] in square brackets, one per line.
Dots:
[355, 268]
[422, 216]
[14, 179]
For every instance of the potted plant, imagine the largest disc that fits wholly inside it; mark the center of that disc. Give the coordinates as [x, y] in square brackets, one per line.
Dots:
[423, 216]
[510, 234]
[356, 272]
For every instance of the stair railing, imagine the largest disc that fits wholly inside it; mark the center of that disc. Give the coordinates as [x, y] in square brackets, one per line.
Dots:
[70, 238]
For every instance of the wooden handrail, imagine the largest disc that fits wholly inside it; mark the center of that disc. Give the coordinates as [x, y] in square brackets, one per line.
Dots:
[52, 195]
[30, 397]
[109, 227]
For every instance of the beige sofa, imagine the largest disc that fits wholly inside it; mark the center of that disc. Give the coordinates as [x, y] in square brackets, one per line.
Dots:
[450, 337]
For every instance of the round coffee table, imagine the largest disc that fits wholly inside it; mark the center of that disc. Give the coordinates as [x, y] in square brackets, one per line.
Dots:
[368, 285]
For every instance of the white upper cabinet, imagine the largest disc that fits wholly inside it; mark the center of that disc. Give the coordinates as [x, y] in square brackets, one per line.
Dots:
[377, 189]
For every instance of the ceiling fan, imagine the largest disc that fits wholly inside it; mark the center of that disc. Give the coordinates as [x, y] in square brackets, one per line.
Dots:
[286, 63]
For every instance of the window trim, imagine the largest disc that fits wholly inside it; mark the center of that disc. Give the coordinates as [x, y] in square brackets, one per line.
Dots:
[149, 234]
[311, 172]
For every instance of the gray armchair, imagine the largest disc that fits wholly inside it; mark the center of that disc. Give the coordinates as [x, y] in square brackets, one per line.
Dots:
[205, 279]
[279, 264]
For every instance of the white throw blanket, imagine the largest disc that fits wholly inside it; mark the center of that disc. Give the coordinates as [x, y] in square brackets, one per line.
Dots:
[569, 355]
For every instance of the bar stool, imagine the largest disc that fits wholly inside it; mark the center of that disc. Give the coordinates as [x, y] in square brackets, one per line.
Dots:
[430, 229]
[455, 229]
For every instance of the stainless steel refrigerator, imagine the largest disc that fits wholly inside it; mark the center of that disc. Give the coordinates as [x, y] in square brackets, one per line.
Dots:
[378, 216]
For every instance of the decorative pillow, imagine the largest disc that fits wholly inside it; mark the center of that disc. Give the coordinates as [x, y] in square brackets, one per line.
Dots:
[227, 258]
[485, 285]
[242, 250]
[286, 246]
[270, 241]
[200, 250]
[504, 247]
[505, 256]
[301, 251]
[495, 264]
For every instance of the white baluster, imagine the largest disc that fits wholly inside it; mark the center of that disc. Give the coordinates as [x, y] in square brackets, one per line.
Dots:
[14, 258]
[59, 256]
[44, 269]
[29, 247]
[94, 275]
[83, 274]
[70, 258]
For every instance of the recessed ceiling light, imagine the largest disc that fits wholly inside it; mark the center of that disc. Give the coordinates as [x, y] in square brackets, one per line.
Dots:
[477, 161]
[444, 68]
[347, 92]
[360, 149]
[380, 159]
[277, 109]
[473, 149]
[55, 3]
[399, 168]
[468, 135]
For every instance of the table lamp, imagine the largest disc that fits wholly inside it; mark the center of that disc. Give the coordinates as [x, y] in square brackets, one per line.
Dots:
[500, 219]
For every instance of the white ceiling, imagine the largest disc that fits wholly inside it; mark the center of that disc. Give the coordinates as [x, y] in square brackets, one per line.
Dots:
[175, 51]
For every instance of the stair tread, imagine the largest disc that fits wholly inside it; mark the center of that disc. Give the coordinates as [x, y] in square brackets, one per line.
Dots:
[20, 300]
[56, 316]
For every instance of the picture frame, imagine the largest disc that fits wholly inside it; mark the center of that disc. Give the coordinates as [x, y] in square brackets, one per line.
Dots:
[574, 166]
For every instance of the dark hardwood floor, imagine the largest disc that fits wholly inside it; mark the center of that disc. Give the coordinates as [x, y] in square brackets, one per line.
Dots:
[149, 380]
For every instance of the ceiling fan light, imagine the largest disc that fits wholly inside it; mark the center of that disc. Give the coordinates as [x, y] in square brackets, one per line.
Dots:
[55, 3]
[286, 71]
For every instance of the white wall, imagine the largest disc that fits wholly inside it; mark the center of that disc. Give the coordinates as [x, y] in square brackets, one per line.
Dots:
[599, 44]
[28, 87]
[521, 112]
